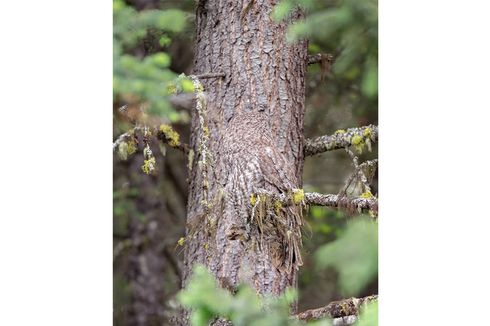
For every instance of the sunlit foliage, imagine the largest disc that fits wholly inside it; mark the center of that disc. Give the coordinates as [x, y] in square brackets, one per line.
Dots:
[351, 25]
[143, 76]
[354, 255]
[244, 308]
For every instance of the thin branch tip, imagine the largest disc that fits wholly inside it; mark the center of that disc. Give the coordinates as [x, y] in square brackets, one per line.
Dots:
[337, 309]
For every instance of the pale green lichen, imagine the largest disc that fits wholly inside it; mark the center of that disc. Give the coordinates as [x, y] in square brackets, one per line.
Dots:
[200, 88]
[131, 147]
[122, 151]
[340, 131]
[358, 143]
[298, 196]
[277, 206]
[367, 195]
[367, 132]
[125, 149]
[368, 144]
[190, 159]
[356, 140]
[171, 136]
[205, 130]
[181, 241]
[149, 165]
[253, 200]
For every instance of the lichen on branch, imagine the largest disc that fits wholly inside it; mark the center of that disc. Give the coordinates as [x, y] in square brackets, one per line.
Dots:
[359, 138]
[169, 135]
[336, 309]
[367, 202]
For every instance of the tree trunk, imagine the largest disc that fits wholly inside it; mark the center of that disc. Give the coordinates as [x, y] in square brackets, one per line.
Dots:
[248, 136]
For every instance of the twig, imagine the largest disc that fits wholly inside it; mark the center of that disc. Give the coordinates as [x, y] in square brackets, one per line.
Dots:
[355, 162]
[337, 309]
[122, 137]
[341, 139]
[183, 147]
[211, 75]
[319, 57]
[154, 131]
[371, 163]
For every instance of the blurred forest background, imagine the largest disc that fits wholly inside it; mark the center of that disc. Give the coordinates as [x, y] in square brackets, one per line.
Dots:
[153, 45]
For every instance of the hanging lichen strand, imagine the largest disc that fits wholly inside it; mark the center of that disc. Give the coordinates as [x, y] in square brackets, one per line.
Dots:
[269, 215]
[205, 158]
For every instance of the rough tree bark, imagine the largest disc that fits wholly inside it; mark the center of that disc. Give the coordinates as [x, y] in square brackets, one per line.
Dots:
[248, 136]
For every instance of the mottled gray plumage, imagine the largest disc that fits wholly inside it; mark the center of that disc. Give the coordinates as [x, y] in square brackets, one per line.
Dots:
[253, 162]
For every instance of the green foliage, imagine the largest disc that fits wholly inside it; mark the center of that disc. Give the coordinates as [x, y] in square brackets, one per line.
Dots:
[281, 10]
[182, 84]
[348, 25]
[369, 315]
[143, 77]
[354, 255]
[124, 207]
[245, 308]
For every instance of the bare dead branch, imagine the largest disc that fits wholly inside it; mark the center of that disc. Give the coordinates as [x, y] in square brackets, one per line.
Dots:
[337, 309]
[341, 139]
[360, 168]
[360, 172]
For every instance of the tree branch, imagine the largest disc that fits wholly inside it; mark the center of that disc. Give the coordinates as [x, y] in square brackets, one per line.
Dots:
[154, 131]
[336, 201]
[341, 139]
[319, 57]
[329, 200]
[337, 309]
[121, 138]
[369, 164]
[163, 137]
